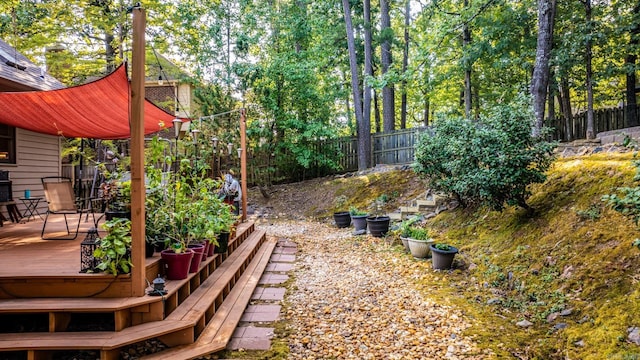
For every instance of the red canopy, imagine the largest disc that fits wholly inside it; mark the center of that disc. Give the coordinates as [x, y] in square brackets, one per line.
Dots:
[98, 110]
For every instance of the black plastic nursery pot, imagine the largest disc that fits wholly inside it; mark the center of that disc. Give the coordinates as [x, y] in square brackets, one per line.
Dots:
[223, 243]
[342, 219]
[359, 222]
[378, 225]
[442, 259]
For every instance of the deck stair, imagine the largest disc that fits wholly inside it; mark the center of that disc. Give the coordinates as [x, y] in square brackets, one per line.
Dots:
[211, 300]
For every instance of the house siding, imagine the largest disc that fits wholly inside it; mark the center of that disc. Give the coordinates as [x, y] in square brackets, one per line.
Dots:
[38, 155]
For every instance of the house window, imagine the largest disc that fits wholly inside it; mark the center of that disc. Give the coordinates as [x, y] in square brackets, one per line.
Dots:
[7, 144]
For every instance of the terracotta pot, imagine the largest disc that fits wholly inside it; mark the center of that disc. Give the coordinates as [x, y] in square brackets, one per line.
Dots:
[176, 265]
[198, 252]
[210, 248]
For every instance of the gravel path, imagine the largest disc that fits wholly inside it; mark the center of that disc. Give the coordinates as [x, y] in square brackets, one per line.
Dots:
[353, 298]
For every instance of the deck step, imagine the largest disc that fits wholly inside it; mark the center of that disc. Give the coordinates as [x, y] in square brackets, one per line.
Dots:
[180, 327]
[218, 332]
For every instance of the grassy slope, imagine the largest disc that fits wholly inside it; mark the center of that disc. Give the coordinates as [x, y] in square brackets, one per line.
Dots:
[536, 266]
[556, 260]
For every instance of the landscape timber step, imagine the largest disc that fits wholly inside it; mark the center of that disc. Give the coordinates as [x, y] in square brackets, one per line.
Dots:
[182, 328]
[129, 311]
[218, 332]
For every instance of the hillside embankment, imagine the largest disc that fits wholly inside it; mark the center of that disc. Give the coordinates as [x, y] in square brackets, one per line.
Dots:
[562, 284]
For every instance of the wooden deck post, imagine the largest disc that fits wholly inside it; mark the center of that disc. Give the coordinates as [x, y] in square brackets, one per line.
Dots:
[138, 274]
[243, 162]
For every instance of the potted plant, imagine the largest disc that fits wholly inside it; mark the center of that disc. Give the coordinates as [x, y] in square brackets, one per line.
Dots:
[404, 232]
[359, 219]
[166, 205]
[378, 224]
[418, 241]
[342, 219]
[115, 192]
[114, 250]
[442, 256]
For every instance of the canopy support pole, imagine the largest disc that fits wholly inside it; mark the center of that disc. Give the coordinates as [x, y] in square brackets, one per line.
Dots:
[243, 162]
[138, 271]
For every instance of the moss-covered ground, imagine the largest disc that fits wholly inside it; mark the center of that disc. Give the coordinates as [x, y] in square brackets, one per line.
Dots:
[573, 257]
[574, 254]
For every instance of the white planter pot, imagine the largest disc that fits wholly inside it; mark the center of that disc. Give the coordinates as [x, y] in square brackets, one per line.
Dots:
[420, 248]
[405, 242]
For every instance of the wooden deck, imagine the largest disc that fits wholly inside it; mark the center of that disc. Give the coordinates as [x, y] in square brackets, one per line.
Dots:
[33, 267]
[223, 282]
[24, 254]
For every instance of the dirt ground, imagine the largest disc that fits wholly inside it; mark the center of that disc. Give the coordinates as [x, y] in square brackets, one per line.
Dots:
[316, 199]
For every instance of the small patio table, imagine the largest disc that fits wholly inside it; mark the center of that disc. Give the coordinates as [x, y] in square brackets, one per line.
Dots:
[31, 210]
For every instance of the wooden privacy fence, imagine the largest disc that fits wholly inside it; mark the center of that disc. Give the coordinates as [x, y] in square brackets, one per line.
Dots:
[392, 148]
[603, 119]
[397, 147]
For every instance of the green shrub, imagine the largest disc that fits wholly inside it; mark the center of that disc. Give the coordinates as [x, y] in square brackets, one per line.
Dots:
[490, 162]
[354, 211]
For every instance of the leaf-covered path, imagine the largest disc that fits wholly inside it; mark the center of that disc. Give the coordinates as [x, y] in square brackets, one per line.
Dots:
[355, 298]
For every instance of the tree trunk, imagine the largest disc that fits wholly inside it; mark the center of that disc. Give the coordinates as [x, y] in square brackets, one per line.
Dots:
[540, 78]
[426, 110]
[630, 65]
[405, 63]
[388, 103]
[110, 52]
[364, 129]
[350, 125]
[591, 131]
[376, 111]
[355, 87]
[466, 40]
[553, 87]
[566, 107]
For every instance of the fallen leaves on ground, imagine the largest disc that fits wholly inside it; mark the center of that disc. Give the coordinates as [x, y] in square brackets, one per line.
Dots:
[353, 298]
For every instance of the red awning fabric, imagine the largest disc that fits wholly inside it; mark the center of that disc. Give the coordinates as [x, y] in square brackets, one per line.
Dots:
[98, 110]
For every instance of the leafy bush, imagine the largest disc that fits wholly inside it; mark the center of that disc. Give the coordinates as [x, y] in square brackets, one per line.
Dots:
[490, 162]
[628, 203]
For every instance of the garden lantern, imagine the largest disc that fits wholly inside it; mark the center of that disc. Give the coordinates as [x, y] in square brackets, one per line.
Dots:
[90, 243]
[229, 148]
[194, 135]
[158, 287]
[239, 152]
[177, 125]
